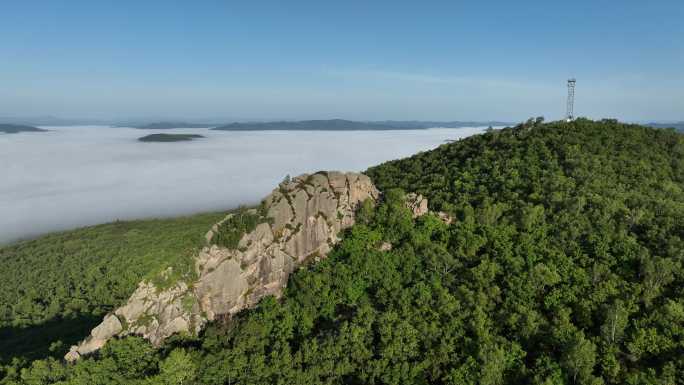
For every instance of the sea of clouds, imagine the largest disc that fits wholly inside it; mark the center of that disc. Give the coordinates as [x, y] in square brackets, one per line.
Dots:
[83, 175]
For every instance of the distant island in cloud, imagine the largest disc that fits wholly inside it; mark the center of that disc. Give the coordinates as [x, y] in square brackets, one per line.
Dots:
[169, 137]
[17, 128]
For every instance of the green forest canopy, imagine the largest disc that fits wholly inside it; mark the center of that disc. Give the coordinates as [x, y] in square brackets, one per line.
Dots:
[563, 265]
[57, 287]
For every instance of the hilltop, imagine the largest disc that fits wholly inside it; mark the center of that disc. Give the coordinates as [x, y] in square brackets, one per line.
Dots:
[551, 253]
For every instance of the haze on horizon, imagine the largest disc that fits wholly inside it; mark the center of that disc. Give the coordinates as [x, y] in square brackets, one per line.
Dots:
[435, 60]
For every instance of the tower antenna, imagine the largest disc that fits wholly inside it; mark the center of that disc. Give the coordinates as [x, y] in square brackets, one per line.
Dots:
[570, 113]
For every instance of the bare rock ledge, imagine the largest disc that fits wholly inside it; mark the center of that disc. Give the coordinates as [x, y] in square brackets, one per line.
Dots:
[306, 215]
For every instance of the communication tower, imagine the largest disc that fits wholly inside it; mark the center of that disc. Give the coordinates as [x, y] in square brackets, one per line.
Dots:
[570, 114]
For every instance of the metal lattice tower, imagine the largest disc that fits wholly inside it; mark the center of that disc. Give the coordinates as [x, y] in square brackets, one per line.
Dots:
[570, 115]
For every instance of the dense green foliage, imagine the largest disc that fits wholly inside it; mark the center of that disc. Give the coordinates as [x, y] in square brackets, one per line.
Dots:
[563, 265]
[169, 137]
[58, 286]
[582, 225]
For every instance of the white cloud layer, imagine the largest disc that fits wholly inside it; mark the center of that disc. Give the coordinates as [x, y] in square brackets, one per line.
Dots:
[77, 176]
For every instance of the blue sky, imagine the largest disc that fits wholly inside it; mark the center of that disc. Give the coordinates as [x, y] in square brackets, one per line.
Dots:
[440, 60]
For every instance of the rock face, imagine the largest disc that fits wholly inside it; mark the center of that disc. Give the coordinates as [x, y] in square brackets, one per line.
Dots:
[305, 216]
[417, 204]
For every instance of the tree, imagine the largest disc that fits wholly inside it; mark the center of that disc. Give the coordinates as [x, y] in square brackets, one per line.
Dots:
[579, 359]
[178, 368]
[616, 318]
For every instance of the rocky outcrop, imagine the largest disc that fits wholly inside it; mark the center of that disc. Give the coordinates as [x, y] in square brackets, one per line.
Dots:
[417, 204]
[446, 218]
[303, 219]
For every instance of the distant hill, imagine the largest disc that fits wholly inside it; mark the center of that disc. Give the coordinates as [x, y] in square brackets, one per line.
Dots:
[347, 125]
[16, 128]
[679, 126]
[169, 137]
[51, 121]
[418, 124]
[170, 125]
[309, 125]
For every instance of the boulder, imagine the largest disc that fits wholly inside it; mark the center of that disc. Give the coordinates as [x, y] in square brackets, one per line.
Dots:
[417, 203]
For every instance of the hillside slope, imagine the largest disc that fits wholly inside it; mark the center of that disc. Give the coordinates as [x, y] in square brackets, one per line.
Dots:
[562, 265]
[56, 287]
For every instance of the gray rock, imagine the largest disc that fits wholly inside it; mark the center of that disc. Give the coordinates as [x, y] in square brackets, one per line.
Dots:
[417, 203]
[280, 210]
[109, 327]
[446, 218]
[221, 289]
[307, 213]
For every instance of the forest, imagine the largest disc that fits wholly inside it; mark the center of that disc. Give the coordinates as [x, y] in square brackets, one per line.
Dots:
[563, 265]
[55, 288]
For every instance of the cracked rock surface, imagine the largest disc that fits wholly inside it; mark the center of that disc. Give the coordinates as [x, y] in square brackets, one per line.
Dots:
[305, 216]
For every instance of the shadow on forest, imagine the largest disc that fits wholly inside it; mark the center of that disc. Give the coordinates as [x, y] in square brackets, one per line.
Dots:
[35, 342]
